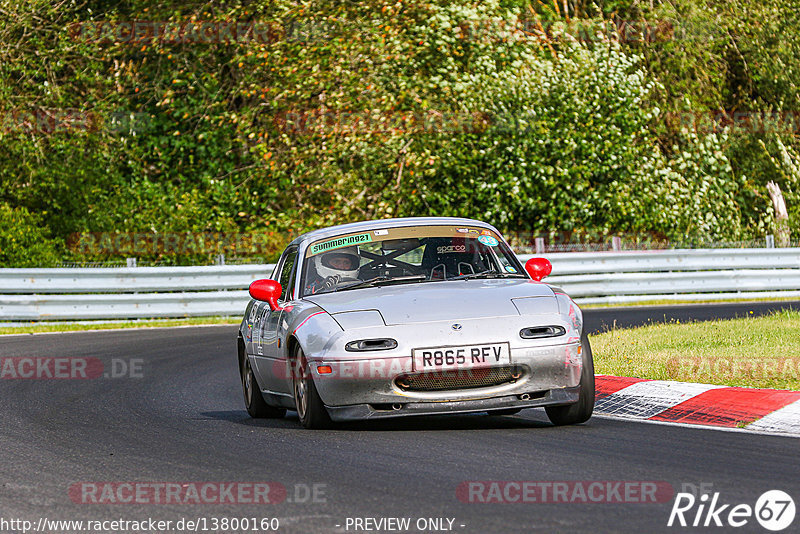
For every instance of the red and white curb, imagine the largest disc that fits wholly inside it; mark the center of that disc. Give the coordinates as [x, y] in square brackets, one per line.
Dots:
[761, 410]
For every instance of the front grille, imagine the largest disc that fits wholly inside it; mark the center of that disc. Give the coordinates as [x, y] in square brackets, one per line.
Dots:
[459, 379]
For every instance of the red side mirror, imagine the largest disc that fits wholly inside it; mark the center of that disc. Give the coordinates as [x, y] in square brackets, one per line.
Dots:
[538, 268]
[266, 291]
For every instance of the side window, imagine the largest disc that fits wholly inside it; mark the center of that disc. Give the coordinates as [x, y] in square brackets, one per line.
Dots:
[287, 269]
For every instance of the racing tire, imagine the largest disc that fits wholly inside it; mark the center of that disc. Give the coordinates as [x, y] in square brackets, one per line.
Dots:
[254, 401]
[581, 411]
[310, 408]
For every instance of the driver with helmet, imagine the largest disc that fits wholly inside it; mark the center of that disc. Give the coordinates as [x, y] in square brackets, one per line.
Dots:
[332, 267]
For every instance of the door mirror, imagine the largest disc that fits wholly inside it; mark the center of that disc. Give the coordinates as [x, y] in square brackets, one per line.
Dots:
[538, 268]
[266, 291]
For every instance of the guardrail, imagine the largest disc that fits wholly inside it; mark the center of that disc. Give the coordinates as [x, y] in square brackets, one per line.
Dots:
[701, 274]
[131, 279]
[590, 277]
[126, 293]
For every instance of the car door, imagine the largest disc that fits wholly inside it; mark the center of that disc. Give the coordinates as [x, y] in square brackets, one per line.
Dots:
[270, 366]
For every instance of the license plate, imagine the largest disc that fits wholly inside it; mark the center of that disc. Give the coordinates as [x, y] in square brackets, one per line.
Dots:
[461, 357]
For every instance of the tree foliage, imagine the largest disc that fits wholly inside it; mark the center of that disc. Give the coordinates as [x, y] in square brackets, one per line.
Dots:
[567, 118]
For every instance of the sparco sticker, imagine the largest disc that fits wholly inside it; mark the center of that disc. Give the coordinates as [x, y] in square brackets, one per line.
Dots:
[451, 248]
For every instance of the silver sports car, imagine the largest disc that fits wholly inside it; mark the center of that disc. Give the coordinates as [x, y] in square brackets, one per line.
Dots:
[411, 316]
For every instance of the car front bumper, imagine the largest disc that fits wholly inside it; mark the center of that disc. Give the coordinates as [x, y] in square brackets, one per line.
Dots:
[552, 397]
[540, 369]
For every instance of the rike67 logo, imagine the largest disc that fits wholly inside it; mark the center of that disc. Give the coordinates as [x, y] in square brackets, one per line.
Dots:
[774, 510]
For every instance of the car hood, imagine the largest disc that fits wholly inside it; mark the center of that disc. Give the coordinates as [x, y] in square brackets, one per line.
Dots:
[442, 301]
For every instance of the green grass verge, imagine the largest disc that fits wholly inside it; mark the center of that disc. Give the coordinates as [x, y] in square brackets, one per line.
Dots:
[759, 352]
[35, 328]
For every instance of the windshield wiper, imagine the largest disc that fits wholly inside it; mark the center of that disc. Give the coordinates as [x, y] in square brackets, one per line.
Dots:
[491, 273]
[384, 280]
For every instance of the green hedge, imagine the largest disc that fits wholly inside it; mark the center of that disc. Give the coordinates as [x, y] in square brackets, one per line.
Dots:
[351, 111]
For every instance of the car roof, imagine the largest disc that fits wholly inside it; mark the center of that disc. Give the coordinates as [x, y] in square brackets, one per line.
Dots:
[331, 231]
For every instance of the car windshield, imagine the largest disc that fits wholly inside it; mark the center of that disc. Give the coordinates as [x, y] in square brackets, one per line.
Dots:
[412, 254]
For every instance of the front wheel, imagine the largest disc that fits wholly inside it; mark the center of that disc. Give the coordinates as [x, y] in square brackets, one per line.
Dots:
[310, 409]
[254, 401]
[580, 411]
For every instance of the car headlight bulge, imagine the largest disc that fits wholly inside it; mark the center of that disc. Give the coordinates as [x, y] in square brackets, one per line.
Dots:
[570, 311]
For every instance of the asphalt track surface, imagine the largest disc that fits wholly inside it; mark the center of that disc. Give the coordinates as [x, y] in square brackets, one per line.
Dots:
[601, 319]
[183, 420]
